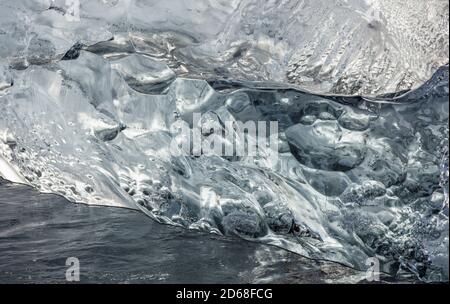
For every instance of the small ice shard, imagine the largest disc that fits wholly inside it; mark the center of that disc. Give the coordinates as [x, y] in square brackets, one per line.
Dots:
[8, 139]
[326, 146]
[143, 73]
[6, 79]
[74, 52]
[9, 173]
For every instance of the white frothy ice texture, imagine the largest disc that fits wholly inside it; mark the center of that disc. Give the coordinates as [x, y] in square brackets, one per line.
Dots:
[351, 47]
